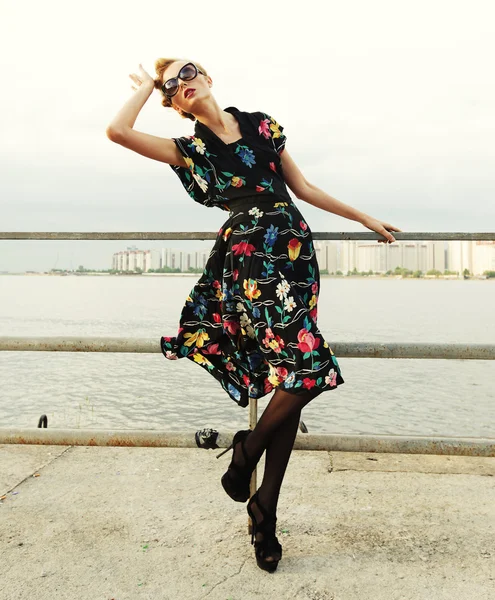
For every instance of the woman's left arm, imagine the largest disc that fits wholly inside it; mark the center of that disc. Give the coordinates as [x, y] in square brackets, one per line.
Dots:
[304, 190]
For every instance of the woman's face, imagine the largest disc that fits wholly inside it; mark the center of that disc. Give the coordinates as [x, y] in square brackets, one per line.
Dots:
[190, 92]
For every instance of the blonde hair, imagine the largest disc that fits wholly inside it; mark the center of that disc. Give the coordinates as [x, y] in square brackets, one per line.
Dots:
[161, 65]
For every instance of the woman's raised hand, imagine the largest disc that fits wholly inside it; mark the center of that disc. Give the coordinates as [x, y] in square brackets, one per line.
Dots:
[144, 79]
[382, 228]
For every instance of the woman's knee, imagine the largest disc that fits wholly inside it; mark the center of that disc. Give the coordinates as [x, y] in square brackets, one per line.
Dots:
[299, 398]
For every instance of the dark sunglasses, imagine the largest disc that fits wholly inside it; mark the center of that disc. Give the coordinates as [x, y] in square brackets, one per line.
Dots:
[187, 73]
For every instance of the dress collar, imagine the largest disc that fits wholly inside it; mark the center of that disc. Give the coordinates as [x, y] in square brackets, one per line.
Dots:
[204, 132]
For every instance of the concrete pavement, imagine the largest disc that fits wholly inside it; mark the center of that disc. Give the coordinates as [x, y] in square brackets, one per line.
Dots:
[103, 523]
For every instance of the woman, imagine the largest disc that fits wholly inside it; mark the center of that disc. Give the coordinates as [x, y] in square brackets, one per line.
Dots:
[251, 319]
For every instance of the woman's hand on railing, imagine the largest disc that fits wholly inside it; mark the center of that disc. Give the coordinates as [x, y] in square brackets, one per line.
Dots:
[382, 228]
[143, 79]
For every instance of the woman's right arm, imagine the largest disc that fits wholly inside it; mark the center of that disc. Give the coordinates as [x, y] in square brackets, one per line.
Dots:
[121, 129]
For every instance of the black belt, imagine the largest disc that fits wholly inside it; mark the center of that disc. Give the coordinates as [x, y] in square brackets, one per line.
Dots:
[237, 203]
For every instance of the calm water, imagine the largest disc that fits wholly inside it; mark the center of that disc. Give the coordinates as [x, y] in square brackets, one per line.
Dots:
[146, 391]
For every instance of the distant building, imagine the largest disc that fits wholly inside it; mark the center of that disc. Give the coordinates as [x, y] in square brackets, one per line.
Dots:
[180, 259]
[327, 254]
[380, 258]
[475, 255]
[132, 259]
[346, 255]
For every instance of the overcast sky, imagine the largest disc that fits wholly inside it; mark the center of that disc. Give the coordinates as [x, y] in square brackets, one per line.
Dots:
[387, 106]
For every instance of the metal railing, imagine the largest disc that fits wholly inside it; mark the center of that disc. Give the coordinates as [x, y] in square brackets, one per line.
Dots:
[210, 235]
[336, 442]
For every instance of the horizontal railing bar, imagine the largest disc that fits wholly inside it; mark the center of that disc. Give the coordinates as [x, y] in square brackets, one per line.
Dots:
[209, 235]
[459, 446]
[341, 349]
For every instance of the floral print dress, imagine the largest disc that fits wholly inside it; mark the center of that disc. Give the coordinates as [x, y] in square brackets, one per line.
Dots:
[251, 319]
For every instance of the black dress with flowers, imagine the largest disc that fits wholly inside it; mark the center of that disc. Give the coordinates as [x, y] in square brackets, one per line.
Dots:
[251, 319]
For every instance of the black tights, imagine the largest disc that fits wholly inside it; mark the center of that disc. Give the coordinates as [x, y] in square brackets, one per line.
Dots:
[276, 432]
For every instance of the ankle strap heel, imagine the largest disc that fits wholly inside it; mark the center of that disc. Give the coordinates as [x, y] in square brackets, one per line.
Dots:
[236, 480]
[269, 545]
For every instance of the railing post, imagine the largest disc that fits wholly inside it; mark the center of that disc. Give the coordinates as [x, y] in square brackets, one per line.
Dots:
[253, 420]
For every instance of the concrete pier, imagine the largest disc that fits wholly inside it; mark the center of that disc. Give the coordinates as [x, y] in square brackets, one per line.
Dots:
[103, 523]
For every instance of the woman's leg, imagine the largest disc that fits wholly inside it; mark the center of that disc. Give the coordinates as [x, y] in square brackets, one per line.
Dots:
[277, 413]
[286, 412]
[276, 460]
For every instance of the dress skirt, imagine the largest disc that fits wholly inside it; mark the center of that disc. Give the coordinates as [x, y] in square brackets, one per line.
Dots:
[251, 319]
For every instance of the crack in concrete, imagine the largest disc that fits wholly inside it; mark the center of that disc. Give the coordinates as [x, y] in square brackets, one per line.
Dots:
[342, 470]
[35, 471]
[229, 577]
[330, 460]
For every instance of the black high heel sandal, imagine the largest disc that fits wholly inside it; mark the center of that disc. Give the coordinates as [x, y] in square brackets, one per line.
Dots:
[235, 480]
[269, 545]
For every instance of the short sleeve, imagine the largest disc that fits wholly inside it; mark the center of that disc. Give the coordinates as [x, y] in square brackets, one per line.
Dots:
[191, 176]
[272, 132]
